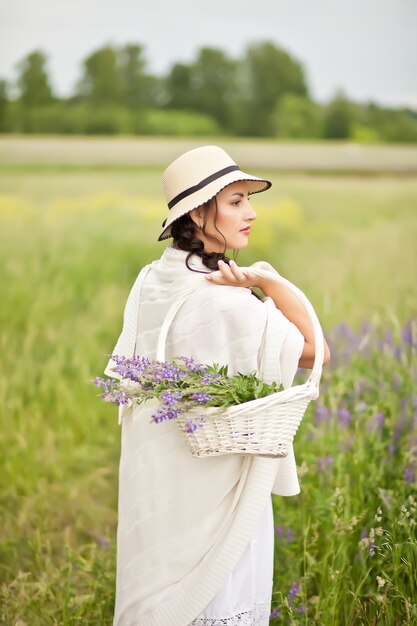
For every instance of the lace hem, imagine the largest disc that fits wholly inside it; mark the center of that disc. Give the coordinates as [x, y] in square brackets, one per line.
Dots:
[258, 616]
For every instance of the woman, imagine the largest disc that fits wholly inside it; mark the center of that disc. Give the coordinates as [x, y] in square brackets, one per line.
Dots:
[195, 537]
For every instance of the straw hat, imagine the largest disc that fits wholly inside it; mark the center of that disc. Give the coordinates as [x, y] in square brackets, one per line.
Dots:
[197, 176]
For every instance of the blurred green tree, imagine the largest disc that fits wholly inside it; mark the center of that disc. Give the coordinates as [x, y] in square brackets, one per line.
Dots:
[338, 117]
[296, 116]
[33, 81]
[102, 80]
[266, 74]
[3, 105]
[137, 83]
[213, 84]
[178, 87]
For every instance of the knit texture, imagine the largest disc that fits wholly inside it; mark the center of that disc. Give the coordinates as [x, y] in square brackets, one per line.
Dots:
[184, 522]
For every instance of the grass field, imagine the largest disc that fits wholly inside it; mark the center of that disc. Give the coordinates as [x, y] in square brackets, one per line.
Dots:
[73, 239]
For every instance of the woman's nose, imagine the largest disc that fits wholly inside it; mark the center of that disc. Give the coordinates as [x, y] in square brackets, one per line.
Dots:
[250, 212]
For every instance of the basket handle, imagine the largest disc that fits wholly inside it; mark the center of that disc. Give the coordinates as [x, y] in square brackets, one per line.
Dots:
[318, 333]
[317, 369]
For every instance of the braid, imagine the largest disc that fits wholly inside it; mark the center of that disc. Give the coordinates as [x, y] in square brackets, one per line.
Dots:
[183, 232]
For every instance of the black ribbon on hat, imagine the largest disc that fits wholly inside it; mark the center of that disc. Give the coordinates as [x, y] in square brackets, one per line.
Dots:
[200, 185]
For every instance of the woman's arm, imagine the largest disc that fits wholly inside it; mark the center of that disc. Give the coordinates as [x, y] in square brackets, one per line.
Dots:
[284, 300]
[295, 311]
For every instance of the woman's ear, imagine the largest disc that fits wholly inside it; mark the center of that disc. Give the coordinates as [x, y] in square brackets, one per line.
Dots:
[196, 217]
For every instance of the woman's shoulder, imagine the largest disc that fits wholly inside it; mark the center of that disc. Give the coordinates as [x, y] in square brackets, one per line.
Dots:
[222, 298]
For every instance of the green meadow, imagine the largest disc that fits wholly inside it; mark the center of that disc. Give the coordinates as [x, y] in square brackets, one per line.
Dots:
[72, 241]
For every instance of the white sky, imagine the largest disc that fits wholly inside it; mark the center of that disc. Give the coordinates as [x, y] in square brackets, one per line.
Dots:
[366, 47]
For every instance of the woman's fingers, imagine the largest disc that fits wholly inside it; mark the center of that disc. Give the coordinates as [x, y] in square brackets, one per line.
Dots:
[231, 274]
[238, 273]
[226, 271]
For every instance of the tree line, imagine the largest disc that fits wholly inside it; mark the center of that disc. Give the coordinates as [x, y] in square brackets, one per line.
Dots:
[262, 94]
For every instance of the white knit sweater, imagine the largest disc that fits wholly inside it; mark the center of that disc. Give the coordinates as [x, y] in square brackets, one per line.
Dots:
[183, 521]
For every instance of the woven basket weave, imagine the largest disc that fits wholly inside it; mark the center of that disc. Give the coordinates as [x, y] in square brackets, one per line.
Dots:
[264, 426]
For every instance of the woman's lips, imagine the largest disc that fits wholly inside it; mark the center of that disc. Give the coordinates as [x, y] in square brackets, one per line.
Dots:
[245, 230]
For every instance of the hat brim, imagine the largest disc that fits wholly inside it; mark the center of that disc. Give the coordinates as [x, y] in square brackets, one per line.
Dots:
[198, 198]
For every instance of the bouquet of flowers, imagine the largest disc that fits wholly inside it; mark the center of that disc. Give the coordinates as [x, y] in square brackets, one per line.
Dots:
[179, 385]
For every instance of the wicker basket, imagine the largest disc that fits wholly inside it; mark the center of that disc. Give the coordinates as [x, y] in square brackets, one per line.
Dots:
[264, 426]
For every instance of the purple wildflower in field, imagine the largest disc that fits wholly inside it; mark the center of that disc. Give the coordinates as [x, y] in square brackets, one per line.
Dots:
[409, 474]
[294, 591]
[359, 385]
[324, 462]
[346, 444]
[398, 428]
[274, 614]
[284, 532]
[376, 422]
[201, 397]
[322, 413]
[397, 352]
[388, 339]
[407, 334]
[366, 327]
[300, 609]
[346, 331]
[396, 382]
[104, 542]
[345, 416]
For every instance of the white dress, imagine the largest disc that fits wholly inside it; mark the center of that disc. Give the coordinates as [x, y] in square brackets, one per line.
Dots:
[245, 598]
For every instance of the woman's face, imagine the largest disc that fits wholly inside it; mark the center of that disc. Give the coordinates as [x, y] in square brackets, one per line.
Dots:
[234, 214]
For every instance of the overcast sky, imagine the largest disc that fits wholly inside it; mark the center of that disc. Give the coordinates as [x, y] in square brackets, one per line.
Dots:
[366, 47]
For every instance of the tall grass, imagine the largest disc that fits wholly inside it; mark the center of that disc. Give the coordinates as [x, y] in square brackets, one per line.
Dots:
[71, 246]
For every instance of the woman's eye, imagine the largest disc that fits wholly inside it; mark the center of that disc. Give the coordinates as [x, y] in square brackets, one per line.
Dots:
[236, 202]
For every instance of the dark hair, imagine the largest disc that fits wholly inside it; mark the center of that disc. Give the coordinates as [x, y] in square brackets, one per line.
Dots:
[183, 231]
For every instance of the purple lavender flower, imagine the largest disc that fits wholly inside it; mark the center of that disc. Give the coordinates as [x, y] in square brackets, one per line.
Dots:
[396, 382]
[285, 533]
[301, 609]
[397, 352]
[376, 422]
[407, 333]
[165, 412]
[190, 425]
[275, 613]
[103, 542]
[210, 378]
[192, 365]
[389, 338]
[201, 397]
[409, 474]
[171, 397]
[344, 415]
[323, 462]
[294, 591]
[322, 412]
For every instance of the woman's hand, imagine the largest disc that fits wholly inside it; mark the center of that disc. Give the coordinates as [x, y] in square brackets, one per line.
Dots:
[264, 265]
[234, 275]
